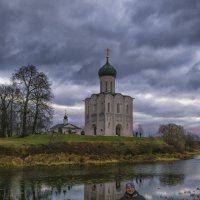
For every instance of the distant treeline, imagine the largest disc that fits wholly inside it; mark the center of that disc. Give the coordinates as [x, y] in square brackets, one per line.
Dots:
[25, 103]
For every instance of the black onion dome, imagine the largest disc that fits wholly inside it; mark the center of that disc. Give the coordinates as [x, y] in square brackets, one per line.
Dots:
[107, 70]
[65, 117]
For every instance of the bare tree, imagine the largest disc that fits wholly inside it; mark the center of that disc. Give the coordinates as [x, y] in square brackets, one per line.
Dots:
[8, 94]
[4, 104]
[36, 93]
[41, 97]
[25, 78]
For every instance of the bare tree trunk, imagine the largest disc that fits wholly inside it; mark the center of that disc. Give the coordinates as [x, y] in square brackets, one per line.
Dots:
[24, 120]
[10, 124]
[35, 118]
[3, 123]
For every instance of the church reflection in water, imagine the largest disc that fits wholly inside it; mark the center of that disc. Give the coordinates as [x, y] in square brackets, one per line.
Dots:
[39, 185]
[108, 191]
[20, 190]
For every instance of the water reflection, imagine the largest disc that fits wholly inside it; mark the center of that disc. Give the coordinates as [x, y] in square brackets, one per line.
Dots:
[106, 191]
[171, 179]
[154, 181]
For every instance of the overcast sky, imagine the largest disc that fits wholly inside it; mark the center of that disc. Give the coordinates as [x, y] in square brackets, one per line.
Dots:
[154, 46]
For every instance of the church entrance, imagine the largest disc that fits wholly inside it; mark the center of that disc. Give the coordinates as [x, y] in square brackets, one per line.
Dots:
[118, 129]
[94, 129]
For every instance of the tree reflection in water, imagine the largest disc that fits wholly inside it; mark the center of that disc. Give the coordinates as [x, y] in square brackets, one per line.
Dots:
[154, 181]
[171, 179]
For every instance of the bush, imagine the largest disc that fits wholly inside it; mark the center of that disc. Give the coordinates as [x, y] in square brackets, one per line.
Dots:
[173, 135]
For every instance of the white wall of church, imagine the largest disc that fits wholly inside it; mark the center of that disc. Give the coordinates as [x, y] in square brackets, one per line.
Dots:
[104, 112]
[107, 84]
[123, 114]
[101, 114]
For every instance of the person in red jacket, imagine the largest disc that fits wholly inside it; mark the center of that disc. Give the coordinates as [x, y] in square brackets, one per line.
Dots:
[131, 193]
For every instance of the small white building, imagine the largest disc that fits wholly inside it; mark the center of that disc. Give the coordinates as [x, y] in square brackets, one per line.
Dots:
[108, 113]
[65, 127]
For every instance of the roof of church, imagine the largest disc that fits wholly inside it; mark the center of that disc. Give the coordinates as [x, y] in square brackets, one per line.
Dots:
[108, 93]
[107, 69]
[68, 126]
[65, 117]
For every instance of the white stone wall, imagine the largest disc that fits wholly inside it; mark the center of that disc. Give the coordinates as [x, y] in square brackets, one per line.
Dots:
[106, 111]
[107, 84]
[123, 114]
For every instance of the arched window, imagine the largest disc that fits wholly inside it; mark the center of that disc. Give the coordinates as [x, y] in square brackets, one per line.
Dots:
[95, 107]
[118, 108]
[108, 107]
[111, 86]
[106, 86]
[127, 109]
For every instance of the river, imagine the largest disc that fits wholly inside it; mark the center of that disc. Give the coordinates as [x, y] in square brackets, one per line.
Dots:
[156, 181]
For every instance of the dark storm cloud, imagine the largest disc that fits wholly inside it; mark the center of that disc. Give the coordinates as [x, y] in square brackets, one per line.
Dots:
[44, 33]
[88, 71]
[66, 33]
[57, 35]
[165, 23]
[175, 82]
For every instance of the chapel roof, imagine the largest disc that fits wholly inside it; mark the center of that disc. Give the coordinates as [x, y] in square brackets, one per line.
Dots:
[67, 126]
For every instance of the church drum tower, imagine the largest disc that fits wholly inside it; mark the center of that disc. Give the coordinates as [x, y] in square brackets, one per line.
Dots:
[108, 113]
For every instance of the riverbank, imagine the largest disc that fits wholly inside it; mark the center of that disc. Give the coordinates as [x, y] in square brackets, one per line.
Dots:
[68, 150]
[66, 159]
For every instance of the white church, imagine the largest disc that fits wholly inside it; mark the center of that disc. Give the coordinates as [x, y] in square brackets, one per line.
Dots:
[65, 127]
[108, 113]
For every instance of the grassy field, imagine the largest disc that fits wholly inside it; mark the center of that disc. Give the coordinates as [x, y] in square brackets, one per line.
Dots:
[46, 139]
[60, 149]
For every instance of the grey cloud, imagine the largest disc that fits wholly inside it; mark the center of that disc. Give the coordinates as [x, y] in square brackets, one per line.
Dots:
[166, 109]
[165, 23]
[192, 78]
[66, 99]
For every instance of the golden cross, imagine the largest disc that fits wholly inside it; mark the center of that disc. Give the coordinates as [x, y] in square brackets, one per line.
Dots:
[107, 52]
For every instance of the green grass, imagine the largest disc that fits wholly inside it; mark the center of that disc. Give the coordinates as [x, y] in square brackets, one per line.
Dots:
[46, 139]
[85, 138]
[29, 140]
